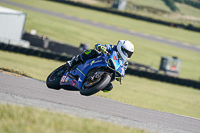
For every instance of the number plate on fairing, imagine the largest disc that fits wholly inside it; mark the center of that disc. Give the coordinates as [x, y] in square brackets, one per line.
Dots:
[65, 81]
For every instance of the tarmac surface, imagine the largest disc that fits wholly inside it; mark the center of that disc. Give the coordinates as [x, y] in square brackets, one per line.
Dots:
[179, 44]
[30, 92]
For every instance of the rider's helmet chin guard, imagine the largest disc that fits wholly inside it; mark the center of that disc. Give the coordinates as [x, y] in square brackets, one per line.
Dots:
[125, 48]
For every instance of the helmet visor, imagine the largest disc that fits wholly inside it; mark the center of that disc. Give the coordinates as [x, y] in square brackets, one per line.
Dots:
[126, 52]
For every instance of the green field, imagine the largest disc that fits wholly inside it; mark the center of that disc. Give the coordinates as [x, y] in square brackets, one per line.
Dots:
[20, 119]
[156, 9]
[146, 52]
[188, 10]
[134, 90]
[110, 19]
[159, 4]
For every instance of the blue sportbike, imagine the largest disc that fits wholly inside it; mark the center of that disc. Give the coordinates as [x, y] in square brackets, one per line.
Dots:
[90, 77]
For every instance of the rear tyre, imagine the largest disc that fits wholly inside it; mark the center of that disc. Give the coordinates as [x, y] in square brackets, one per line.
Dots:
[53, 80]
[95, 87]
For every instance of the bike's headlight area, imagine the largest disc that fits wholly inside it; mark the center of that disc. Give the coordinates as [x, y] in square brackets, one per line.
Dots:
[111, 64]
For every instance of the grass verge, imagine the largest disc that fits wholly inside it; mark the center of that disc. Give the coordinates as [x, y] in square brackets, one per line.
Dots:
[20, 119]
[15, 71]
[134, 90]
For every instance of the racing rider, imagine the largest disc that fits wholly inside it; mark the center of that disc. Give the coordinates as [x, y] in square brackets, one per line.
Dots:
[124, 48]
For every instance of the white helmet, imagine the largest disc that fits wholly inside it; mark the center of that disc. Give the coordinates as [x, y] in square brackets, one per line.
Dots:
[125, 49]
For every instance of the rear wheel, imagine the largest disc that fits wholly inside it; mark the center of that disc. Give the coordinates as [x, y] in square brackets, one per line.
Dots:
[53, 80]
[93, 86]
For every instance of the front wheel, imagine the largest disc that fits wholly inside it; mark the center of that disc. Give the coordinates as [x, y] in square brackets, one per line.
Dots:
[91, 87]
[53, 80]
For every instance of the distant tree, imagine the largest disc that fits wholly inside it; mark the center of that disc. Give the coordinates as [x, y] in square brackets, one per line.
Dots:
[195, 4]
[180, 1]
[107, 1]
[171, 5]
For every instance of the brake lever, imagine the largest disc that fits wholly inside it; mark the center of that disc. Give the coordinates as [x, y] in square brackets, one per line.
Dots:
[106, 53]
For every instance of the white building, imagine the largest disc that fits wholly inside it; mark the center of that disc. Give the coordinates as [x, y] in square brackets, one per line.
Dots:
[12, 26]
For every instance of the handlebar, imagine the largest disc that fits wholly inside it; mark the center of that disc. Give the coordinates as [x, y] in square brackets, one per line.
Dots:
[107, 53]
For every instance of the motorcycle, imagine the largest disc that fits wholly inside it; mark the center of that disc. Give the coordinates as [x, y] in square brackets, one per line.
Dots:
[90, 77]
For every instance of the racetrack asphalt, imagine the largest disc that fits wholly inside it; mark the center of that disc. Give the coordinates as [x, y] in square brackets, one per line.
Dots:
[179, 44]
[31, 92]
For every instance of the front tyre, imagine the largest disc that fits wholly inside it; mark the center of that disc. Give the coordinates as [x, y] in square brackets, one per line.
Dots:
[91, 87]
[53, 80]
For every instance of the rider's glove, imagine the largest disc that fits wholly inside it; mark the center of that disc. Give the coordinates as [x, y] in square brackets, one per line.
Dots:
[125, 65]
[102, 49]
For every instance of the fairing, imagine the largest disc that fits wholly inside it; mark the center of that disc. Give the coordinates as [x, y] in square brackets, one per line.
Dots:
[82, 70]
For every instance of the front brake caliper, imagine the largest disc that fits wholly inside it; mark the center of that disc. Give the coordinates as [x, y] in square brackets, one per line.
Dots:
[98, 74]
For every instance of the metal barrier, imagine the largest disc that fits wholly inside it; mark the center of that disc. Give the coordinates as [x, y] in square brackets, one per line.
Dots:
[33, 52]
[45, 43]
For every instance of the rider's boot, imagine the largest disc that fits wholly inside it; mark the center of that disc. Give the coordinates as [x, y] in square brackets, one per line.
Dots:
[108, 88]
[74, 61]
